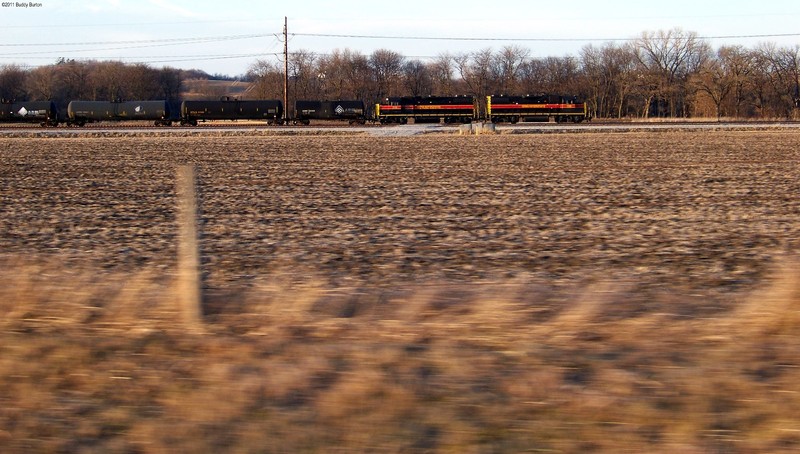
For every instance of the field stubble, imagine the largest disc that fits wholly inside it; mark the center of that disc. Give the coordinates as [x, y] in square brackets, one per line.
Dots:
[565, 292]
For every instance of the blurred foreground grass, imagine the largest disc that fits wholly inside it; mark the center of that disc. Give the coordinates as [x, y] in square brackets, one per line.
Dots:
[96, 361]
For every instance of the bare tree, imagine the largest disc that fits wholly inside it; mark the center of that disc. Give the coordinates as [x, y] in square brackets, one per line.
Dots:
[476, 70]
[667, 59]
[386, 68]
[42, 83]
[303, 75]
[73, 80]
[715, 81]
[12, 83]
[550, 75]
[267, 79]
[329, 75]
[359, 80]
[740, 64]
[141, 82]
[598, 86]
[508, 63]
[108, 80]
[532, 76]
[780, 69]
[345, 74]
[561, 74]
[442, 69]
[170, 83]
[417, 80]
[608, 75]
[725, 78]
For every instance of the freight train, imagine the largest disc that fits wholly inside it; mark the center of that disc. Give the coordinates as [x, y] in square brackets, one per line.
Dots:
[351, 111]
[81, 112]
[162, 113]
[191, 112]
[42, 112]
[458, 109]
[398, 110]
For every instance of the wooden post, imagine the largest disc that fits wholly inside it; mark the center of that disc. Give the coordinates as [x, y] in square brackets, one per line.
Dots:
[286, 70]
[189, 288]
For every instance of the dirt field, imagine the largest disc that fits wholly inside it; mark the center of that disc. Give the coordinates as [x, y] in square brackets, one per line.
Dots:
[703, 210]
[564, 292]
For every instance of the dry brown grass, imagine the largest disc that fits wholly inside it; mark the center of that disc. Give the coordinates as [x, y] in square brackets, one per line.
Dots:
[98, 362]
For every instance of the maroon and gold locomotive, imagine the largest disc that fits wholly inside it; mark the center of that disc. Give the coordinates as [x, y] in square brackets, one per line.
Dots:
[464, 109]
[513, 109]
[430, 109]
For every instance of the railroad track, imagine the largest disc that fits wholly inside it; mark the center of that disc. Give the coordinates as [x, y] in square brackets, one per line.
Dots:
[11, 130]
[204, 124]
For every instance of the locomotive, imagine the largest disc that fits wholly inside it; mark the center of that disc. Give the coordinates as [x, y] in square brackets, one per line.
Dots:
[513, 109]
[436, 109]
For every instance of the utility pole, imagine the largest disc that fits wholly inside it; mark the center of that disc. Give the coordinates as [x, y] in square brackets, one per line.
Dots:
[285, 69]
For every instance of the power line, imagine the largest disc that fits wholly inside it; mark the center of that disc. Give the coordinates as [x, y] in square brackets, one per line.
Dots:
[166, 58]
[97, 49]
[37, 55]
[133, 24]
[145, 41]
[151, 43]
[462, 38]
[139, 44]
[192, 58]
[441, 38]
[773, 35]
[202, 39]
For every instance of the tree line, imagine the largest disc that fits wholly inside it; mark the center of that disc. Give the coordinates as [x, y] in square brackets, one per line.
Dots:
[90, 80]
[668, 73]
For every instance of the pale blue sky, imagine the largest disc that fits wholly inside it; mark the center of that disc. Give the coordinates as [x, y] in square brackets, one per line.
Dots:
[227, 36]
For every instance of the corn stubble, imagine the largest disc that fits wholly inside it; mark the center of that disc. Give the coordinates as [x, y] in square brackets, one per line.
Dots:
[571, 293]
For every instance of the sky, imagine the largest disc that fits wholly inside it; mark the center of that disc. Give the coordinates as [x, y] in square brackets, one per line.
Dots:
[228, 36]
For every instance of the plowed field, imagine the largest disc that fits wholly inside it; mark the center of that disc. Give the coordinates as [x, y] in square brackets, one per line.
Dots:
[704, 211]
